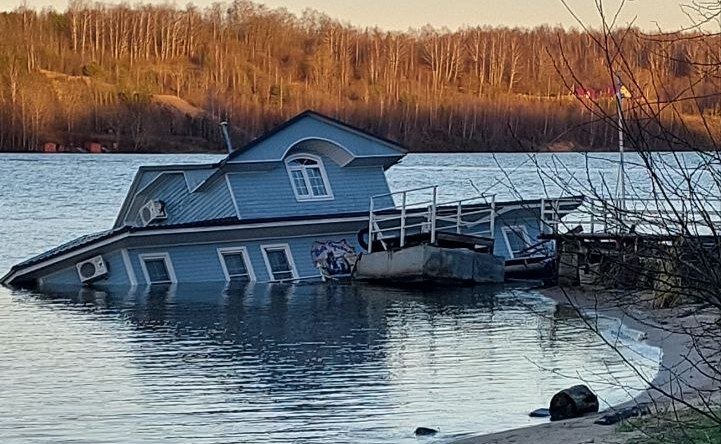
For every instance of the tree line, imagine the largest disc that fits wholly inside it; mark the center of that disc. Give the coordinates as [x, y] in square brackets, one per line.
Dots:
[158, 78]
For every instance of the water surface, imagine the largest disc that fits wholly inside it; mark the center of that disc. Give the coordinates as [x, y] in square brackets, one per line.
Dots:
[272, 363]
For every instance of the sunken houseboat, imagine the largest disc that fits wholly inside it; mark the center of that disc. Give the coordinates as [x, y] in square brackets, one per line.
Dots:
[302, 202]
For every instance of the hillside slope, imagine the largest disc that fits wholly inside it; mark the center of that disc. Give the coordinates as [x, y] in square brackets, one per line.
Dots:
[157, 78]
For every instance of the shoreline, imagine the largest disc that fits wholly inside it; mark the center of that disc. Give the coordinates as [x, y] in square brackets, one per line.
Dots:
[676, 374]
[223, 152]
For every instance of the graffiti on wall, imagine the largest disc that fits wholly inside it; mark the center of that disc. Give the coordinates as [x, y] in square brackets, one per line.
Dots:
[334, 258]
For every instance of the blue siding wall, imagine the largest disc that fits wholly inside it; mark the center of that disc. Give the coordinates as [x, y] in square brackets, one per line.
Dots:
[274, 148]
[200, 263]
[270, 193]
[183, 206]
[69, 276]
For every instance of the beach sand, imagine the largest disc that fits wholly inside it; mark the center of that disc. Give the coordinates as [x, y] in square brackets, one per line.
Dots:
[664, 328]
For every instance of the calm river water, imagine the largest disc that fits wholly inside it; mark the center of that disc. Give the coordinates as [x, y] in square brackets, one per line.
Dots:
[275, 363]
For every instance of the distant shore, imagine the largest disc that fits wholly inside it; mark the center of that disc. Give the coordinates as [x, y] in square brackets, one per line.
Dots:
[221, 151]
[674, 372]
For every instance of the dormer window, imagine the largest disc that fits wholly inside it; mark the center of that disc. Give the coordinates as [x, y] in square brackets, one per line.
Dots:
[308, 177]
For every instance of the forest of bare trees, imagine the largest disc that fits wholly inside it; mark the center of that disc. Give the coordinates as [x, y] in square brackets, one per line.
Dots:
[157, 78]
[653, 248]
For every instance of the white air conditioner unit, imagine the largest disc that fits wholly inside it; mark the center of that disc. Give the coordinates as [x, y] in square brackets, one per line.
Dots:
[92, 269]
[152, 211]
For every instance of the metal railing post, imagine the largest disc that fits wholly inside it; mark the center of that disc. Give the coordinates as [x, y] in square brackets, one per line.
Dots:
[605, 217]
[370, 228]
[403, 220]
[543, 214]
[433, 215]
[458, 218]
[493, 216]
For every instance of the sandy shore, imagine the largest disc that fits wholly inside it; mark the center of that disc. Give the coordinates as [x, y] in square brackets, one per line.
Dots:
[664, 328]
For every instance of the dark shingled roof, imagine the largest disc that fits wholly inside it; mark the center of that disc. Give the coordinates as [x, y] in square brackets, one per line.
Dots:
[68, 246]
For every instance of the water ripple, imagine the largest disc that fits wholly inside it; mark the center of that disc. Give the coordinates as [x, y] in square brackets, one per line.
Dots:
[280, 364]
[204, 364]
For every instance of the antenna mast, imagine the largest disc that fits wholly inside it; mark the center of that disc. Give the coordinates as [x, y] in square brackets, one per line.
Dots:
[621, 183]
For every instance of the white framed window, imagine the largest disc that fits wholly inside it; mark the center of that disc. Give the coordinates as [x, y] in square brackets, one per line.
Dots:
[279, 262]
[236, 264]
[516, 238]
[157, 268]
[308, 177]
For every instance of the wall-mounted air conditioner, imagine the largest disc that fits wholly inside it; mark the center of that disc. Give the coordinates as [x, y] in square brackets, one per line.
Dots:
[152, 211]
[92, 269]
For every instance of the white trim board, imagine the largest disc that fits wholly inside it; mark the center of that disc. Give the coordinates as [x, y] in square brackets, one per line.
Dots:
[232, 195]
[292, 145]
[132, 279]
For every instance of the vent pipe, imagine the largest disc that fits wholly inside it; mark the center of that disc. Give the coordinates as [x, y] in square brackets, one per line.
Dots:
[226, 136]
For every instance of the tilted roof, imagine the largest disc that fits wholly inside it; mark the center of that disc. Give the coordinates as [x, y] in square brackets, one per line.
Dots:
[395, 146]
[383, 150]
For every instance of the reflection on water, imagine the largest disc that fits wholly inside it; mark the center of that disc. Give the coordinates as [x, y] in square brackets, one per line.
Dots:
[309, 363]
[282, 363]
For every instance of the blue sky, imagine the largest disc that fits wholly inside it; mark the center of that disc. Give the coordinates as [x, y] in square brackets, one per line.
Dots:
[402, 14]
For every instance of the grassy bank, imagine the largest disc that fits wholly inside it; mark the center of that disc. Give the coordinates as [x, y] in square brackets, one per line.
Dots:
[680, 427]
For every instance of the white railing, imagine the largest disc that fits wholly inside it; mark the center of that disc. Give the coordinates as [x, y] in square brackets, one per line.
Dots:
[417, 210]
[643, 216]
[553, 212]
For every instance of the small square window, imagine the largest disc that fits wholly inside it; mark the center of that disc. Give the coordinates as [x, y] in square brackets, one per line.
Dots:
[516, 239]
[235, 264]
[157, 269]
[279, 263]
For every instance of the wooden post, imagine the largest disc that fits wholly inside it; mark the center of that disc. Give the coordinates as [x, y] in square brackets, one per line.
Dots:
[568, 263]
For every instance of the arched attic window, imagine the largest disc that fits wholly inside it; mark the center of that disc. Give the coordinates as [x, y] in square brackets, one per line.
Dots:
[308, 177]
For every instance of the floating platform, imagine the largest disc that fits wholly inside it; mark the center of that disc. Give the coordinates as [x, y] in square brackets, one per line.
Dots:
[453, 259]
